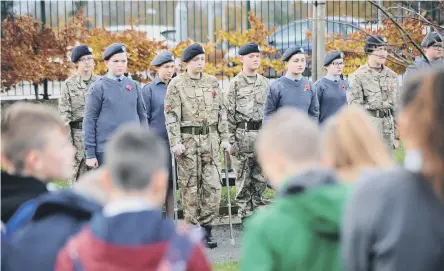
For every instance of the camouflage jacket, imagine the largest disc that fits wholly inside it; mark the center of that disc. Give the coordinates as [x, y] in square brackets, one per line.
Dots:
[191, 102]
[245, 100]
[372, 89]
[72, 100]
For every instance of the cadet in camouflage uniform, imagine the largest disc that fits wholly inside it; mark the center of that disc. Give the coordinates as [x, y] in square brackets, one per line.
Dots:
[72, 103]
[375, 87]
[245, 110]
[196, 124]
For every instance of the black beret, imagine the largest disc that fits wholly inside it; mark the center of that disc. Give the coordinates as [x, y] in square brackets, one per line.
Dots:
[373, 42]
[115, 48]
[330, 56]
[191, 51]
[292, 51]
[430, 39]
[249, 48]
[162, 58]
[79, 51]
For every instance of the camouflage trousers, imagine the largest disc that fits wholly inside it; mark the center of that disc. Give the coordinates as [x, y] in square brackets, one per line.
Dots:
[79, 166]
[386, 129]
[199, 170]
[250, 184]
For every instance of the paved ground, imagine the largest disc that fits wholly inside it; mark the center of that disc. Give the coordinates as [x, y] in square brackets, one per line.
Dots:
[225, 252]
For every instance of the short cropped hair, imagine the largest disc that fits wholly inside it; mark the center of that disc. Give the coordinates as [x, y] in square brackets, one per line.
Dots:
[292, 133]
[133, 155]
[25, 126]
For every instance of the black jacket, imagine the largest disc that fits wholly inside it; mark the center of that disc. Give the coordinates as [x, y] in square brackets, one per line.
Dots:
[16, 190]
[59, 216]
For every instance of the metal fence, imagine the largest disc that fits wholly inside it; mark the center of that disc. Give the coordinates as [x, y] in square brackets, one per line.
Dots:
[175, 21]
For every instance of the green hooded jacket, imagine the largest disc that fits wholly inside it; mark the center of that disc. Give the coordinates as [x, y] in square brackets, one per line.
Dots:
[300, 230]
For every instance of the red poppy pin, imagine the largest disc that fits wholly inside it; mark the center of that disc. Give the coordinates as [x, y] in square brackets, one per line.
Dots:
[167, 108]
[306, 87]
[343, 87]
[128, 87]
[214, 94]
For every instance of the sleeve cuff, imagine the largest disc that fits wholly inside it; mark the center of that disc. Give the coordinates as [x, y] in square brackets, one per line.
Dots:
[90, 153]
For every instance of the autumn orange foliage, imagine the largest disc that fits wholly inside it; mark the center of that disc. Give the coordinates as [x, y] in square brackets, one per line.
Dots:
[34, 53]
[401, 50]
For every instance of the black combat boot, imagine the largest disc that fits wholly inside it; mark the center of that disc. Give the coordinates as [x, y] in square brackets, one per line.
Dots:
[209, 242]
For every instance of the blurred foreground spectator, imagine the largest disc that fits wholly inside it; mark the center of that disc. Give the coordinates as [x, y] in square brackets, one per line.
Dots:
[395, 219]
[57, 217]
[300, 230]
[351, 143]
[35, 150]
[131, 233]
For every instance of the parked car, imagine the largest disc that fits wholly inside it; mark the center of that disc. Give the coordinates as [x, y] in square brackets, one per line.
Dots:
[153, 32]
[294, 33]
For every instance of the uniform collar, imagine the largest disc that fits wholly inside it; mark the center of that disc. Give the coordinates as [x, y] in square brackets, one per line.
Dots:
[333, 77]
[83, 83]
[157, 81]
[247, 78]
[186, 75]
[127, 205]
[292, 77]
[384, 68]
[112, 76]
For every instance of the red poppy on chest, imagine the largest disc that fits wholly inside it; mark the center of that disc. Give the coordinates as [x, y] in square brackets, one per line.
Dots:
[214, 94]
[306, 87]
[343, 87]
[167, 108]
[128, 87]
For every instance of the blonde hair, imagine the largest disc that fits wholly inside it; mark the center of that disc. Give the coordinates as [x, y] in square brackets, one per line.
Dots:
[292, 133]
[353, 142]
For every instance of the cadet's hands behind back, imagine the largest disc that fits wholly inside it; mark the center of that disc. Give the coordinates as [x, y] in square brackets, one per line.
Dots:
[178, 149]
[92, 163]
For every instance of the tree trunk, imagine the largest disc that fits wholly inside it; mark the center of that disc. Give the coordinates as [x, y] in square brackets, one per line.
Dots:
[36, 91]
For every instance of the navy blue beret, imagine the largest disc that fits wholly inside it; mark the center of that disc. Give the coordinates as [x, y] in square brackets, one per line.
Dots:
[191, 51]
[292, 51]
[115, 48]
[249, 48]
[430, 39]
[79, 51]
[162, 58]
[374, 42]
[330, 56]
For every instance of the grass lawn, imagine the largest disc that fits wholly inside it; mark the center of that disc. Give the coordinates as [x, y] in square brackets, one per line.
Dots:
[226, 266]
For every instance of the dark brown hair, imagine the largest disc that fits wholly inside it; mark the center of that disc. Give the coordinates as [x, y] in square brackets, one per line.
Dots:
[422, 101]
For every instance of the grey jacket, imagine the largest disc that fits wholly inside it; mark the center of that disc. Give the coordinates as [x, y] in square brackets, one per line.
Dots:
[285, 92]
[420, 63]
[393, 221]
[109, 104]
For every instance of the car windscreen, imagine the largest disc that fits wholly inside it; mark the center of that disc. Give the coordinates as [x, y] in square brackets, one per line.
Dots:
[295, 33]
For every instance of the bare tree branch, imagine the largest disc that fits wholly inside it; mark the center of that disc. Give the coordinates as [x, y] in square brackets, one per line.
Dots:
[422, 18]
[401, 29]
